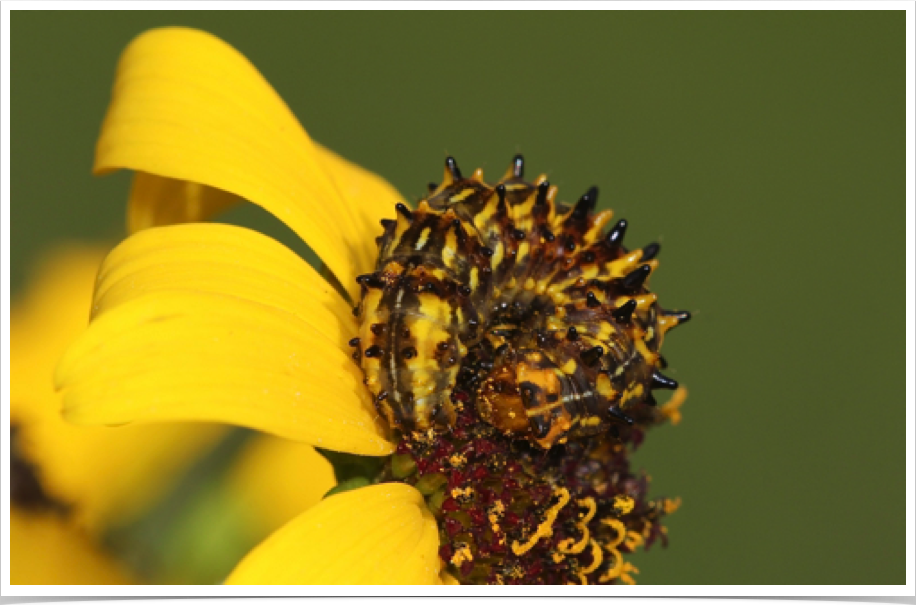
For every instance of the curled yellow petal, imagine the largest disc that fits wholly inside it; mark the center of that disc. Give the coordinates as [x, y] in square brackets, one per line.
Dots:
[189, 107]
[200, 356]
[382, 534]
[157, 200]
[106, 477]
[227, 260]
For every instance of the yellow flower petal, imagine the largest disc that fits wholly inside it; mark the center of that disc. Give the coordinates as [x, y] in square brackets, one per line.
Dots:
[371, 196]
[382, 534]
[108, 477]
[276, 479]
[189, 107]
[238, 271]
[46, 550]
[228, 260]
[158, 200]
[197, 356]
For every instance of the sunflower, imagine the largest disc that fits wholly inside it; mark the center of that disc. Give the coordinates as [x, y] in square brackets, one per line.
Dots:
[206, 322]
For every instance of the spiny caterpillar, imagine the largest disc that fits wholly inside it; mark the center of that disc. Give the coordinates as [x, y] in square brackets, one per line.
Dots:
[563, 306]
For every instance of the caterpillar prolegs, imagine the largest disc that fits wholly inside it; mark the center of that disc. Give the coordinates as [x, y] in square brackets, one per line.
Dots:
[572, 333]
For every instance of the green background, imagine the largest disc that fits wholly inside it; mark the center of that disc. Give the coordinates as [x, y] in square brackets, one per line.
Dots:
[765, 149]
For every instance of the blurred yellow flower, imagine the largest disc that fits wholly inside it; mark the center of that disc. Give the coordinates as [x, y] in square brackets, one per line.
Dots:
[46, 549]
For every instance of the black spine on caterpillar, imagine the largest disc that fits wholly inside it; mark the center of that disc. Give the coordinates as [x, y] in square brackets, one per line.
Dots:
[563, 303]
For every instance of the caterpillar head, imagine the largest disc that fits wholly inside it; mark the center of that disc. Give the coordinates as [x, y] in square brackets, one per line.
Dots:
[523, 397]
